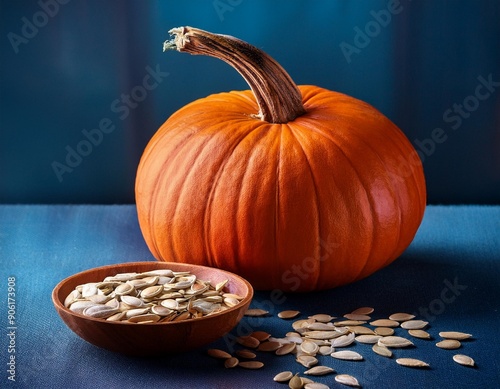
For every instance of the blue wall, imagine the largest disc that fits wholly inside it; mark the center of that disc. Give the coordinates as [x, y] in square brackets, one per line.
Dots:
[66, 64]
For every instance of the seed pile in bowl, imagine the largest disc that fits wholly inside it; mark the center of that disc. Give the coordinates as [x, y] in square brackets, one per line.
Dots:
[150, 297]
[324, 335]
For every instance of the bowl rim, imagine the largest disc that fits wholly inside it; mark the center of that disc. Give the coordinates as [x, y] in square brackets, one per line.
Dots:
[60, 304]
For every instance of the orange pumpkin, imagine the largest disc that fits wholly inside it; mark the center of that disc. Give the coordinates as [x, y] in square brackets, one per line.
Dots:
[296, 188]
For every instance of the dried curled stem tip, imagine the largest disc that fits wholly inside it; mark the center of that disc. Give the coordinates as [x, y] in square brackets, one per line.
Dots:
[279, 99]
[181, 36]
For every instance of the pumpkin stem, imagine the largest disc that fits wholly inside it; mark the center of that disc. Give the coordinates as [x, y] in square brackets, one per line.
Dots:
[279, 99]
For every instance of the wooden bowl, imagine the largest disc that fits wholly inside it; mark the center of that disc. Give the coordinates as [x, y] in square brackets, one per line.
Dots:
[155, 338]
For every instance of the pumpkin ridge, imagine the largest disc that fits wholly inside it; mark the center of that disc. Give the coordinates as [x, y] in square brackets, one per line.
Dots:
[331, 137]
[394, 198]
[206, 220]
[317, 255]
[154, 197]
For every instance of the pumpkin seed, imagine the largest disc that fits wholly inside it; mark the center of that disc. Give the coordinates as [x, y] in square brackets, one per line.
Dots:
[385, 323]
[357, 317]
[284, 376]
[217, 353]
[321, 334]
[307, 360]
[347, 355]
[449, 344]
[231, 362]
[322, 318]
[288, 314]
[368, 339]
[344, 323]
[360, 330]
[455, 335]
[316, 385]
[285, 349]
[260, 335]
[144, 318]
[295, 382]
[382, 350]
[309, 347]
[321, 326]
[411, 362]
[347, 379]
[247, 354]
[414, 324]
[401, 316]
[248, 341]
[363, 311]
[255, 312]
[326, 350]
[344, 340]
[251, 364]
[463, 360]
[384, 331]
[269, 346]
[319, 370]
[421, 334]
[394, 342]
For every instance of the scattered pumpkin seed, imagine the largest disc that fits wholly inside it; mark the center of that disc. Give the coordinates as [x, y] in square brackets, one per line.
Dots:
[247, 354]
[463, 360]
[285, 349]
[394, 341]
[260, 335]
[347, 379]
[251, 364]
[316, 385]
[401, 316]
[347, 355]
[288, 314]
[368, 339]
[248, 341]
[217, 353]
[231, 362]
[360, 330]
[449, 344]
[363, 311]
[319, 370]
[307, 360]
[382, 350]
[384, 331]
[295, 382]
[344, 340]
[411, 362]
[284, 376]
[385, 323]
[414, 324]
[269, 346]
[322, 318]
[421, 334]
[455, 335]
[349, 323]
[255, 312]
[357, 317]
[309, 347]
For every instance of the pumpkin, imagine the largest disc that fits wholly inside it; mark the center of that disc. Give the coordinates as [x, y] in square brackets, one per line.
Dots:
[295, 188]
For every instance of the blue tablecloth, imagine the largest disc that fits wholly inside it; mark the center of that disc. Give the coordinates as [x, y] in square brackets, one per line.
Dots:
[449, 276]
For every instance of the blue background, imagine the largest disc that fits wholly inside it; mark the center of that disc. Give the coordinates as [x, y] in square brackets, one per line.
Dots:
[73, 69]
